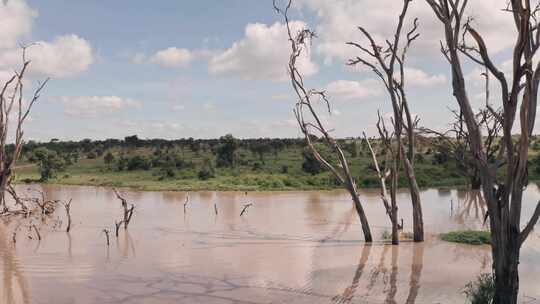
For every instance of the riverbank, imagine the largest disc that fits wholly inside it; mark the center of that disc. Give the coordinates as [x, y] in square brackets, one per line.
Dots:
[150, 180]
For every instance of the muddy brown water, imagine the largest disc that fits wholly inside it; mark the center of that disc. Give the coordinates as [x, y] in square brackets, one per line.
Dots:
[288, 247]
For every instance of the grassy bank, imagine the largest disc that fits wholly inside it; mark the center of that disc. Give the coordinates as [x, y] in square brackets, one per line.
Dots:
[470, 237]
[96, 173]
[221, 164]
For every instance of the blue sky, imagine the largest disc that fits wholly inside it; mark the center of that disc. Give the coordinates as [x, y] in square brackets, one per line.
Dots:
[173, 69]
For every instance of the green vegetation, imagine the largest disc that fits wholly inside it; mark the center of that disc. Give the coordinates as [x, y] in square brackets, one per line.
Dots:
[471, 237]
[482, 291]
[226, 163]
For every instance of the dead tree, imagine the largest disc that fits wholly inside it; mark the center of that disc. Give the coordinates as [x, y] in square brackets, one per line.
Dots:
[310, 121]
[455, 141]
[388, 63]
[13, 105]
[244, 210]
[67, 206]
[390, 170]
[519, 94]
[128, 211]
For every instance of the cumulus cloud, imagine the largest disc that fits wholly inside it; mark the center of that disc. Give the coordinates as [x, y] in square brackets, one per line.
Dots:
[63, 57]
[353, 90]
[338, 21]
[172, 57]
[419, 78]
[261, 54]
[17, 20]
[91, 106]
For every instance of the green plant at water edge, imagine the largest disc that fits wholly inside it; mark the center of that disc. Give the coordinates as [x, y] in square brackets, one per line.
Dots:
[482, 290]
[386, 235]
[471, 237]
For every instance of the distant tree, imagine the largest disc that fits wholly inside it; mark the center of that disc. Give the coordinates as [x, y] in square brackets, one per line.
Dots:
[207, 171]
[49, 162]
[226, 151]
[260, 148]
[138, 162]
[108, 158]
[310, 165]
[132, 141]
[352, 148]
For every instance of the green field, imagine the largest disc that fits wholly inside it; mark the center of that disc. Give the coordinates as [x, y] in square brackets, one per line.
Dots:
[177, 166]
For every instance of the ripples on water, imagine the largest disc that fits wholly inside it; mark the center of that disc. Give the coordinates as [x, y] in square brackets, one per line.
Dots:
[290, 247]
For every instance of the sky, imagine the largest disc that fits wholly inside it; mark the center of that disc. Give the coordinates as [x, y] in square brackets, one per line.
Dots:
[203, 69]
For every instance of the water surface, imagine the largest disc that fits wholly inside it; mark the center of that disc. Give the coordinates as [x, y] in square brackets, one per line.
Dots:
[288, 247]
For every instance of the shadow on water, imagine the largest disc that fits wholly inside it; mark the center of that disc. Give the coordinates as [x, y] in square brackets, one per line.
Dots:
[380, 273]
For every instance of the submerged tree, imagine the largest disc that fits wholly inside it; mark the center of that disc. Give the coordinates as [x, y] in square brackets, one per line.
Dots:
[503, 192]
[310, 122]
[14, 110]
[388, 63]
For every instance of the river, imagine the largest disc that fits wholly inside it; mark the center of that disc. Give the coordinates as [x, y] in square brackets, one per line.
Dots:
[287, 247]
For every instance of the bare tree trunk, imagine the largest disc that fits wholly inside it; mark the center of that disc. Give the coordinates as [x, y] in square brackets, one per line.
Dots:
[418, 218]
[311, 124]
[388, 64]
[503, 197]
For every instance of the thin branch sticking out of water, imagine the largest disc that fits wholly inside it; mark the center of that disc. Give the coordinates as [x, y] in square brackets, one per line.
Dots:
[244, 210]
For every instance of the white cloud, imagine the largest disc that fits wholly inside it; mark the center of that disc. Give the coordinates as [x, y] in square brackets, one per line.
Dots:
[91, 106]
[16, 19]
[353, 90]
[63, 57]
[172, 57]
[419, 78]
[178, 107]
[339, 19]
[261, 54]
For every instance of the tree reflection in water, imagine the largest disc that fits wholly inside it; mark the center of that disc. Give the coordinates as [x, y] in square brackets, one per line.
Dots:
[389, 278]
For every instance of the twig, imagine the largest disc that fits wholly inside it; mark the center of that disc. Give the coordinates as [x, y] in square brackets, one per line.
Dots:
[106, 231]
[67, 206]
[246, 206]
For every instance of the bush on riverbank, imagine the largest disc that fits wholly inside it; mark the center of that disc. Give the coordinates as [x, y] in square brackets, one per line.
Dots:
[482, 290]
[471, 237]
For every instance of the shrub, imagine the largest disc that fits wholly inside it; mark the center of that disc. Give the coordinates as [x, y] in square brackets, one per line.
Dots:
[205, 173]
[310, 165]
[109, 158]
[138, 162]
[167, 173]
[471, 237]
[257, 166]
[91, 155]
[482, 291]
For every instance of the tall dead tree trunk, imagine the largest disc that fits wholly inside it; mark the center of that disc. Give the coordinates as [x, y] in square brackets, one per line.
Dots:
[390, 171]
[13, 105]
[388, 63]
[310, 122]
[503, 195]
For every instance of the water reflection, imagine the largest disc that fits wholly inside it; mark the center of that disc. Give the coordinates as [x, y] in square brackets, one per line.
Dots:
[471, 205]
[15, 287]
[293, 247]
